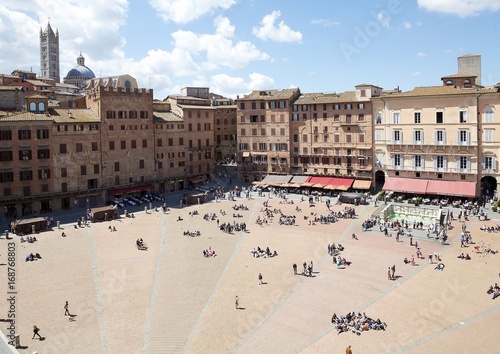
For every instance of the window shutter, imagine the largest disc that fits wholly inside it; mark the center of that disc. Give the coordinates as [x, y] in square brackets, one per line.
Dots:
[468, 165]
[467, 137]
[483, 163]
[494, 164]
[445, 166]
[458, 138]
[435, 163]
[435, 137]
[421, 137]
[444, 137]
[392, 159]
[458, 164]
[414, 137]
[414, 162]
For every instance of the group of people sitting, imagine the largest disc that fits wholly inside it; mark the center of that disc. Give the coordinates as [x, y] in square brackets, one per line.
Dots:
[209, 252]
[192, 233]
[141, 245]
[334, 249]
[229, 228]
[259, 252]
[495, 290]
[29, 239]
[490, 228]
[33, 257]
[111, 228]
[340, 261]
[357, 323]
[462, 256]
[240, 207]
[210, 216]
[440, 267]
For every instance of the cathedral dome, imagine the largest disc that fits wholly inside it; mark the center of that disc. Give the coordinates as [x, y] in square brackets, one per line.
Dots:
[80, 74]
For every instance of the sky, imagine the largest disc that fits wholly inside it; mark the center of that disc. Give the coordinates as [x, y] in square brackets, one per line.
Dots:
[236, 46]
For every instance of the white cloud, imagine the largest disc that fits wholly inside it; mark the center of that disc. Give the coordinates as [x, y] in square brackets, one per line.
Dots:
[407, 25]
[324, 22]
[220, 50]
[460, 8]
[279, 33]
[231, 86]
[421, 55]
[416, 73]
[184, 11]
[384, 20]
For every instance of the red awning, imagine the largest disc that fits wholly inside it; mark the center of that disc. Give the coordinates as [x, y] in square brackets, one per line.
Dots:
[345, 183]
[133, 189]
[405, 185]
[458, 188]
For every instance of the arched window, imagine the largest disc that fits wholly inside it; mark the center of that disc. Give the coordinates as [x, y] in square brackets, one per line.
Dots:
[32, 106]
[41, 107]
[489, 115]
[127, 84]
[449, 82]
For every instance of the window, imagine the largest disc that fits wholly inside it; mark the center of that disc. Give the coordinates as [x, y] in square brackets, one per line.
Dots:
[489, 116]
[117, 166]
[111, 145]
[272, 146]
[463, 137]
[378, 134]
[43, 154]
[295, 117]
[64, 172]
[348, 106]
[336, 107]
[79, 147]
[488, 135]
[24, 134]
[123, 144]
[439, 117]
[262, 146]
[92, 183]
[440, 163]
[78, 127]
[283, 147]
[110, 114]
[397, 161]
[361, 106]
[304, 138]
[96, 168]
[6, 177]
[141, 164]
[144, 143]
[396, 117]
[26, 191]
[144, 114]
[6, 156]
[5, 135]
[132, 114]
[418, 137]
[111, 127]
[397, 137]
[26, 175]
[243, 146]
[181, 141]
[282, 104]
[418, 162]
[378, 117]
[336, 138]
[94, 127]
[44, 173]
[83, 170]
[94, 146]
[416, 118]
[24, 155]
[122, 114]
[440, 137]
[462, 116]
[361, 138]
[42, 134]
[463, 164]
[489, 164]
[361, 117]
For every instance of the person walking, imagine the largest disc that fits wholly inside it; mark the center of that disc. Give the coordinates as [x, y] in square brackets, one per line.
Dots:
[348, 350]
[389, 273]
[237, 302]
[66, 309]
[294, 269]
[260, 278]
[35, 332]
[393, 271]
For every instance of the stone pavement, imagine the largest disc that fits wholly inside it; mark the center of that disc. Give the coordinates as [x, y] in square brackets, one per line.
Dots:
[171, 299]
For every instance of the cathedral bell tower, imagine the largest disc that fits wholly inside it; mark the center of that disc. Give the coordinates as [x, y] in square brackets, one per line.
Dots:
[49, 53]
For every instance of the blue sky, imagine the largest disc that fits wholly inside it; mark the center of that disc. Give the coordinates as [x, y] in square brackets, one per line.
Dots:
[235, 46]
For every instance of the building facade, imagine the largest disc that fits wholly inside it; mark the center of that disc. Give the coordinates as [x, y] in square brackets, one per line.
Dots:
[264, 134]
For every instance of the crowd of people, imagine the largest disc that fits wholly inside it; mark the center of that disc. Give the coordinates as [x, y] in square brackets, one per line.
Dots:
[357, 323]
[260, 252]
[209, 252]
